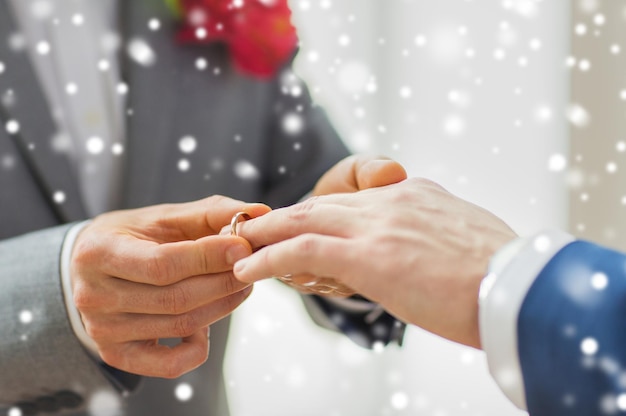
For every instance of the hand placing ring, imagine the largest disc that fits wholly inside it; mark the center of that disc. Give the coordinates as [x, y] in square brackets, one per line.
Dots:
[323, 286]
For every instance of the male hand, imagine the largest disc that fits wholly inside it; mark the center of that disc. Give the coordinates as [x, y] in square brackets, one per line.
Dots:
[158, 272]
[351, 174]
[412, 247]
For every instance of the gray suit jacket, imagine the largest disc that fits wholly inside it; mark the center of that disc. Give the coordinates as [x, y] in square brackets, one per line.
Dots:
[43, 367]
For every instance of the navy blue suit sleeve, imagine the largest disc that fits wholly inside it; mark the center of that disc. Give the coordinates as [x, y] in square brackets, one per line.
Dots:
[572, 334]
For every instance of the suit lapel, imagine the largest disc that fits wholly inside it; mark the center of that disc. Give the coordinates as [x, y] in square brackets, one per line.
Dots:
[173, 99]
[28, 106]
[152, 98]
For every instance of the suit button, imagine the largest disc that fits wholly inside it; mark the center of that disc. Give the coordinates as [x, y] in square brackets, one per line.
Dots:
[27, 409]
[47, 404]
[69, 399]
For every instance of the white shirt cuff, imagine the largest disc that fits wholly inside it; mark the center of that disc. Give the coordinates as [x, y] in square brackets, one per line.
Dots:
[512, 271]
[72, 312]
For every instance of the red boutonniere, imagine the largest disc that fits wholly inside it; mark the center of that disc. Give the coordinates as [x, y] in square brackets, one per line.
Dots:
[258, 33]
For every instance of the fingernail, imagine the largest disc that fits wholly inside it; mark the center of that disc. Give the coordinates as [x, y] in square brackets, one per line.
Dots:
[239, 266]
[235, 253]
[225, 230]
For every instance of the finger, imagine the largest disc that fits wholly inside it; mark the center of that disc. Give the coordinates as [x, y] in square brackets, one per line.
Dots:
[136, 327]
[207, 216]
[148, 358]
[181, 297]
[311, 254]
[359, 172]
[311, 216]
[379, 172]
[165, 264]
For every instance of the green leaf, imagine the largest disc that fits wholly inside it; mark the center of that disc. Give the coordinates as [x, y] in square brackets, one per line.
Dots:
[175, 7]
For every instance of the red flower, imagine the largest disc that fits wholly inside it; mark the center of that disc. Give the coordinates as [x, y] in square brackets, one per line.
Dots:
[259, 33]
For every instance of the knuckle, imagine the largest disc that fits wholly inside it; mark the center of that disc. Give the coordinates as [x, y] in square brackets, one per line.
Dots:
[158, 268]
[228, 283]
[175, 300]
[108, 356]
[177, 364]
[421, 182]
[96, 330]
[112, 357]
[393, 222]
[86, 299]
[185, 325]
[302, 210]
[306, 246]
[173, 368]
[85, 252]
[216, 199]
[424, 184]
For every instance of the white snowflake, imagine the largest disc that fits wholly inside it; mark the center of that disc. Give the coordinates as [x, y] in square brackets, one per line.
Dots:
[183, 392]
[584, 65]
[406, 92]
[454, 125]
[557, 162]
[43, 48]
[94, 145]
[344, 40]
[154, 24]
[71, 88]
[599, 19]
[187, 144]
[292, 124]
[599, 281]
[59, 197]
[141, 52]
[201, 33]
[184, 165]
[7, 162]
[201, 64]
[26, 317]
[117, 149]
[578, 115]
[420, 40]
[399, 400]
[246, 170]
[14, 411]
[104, 65]
[12, 127]
[41, 9]
[78, 19]
[104, 403]
[589, 346]
[621, 402]
[580, 29]
[122, 88]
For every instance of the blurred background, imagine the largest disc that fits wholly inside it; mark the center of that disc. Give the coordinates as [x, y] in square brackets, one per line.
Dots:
[516, 105]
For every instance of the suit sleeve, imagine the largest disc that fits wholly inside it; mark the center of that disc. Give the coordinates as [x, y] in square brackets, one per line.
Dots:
[44, 367]
[569, 342]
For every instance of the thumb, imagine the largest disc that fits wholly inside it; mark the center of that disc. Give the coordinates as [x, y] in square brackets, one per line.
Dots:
[204, 217]
[379, 172]
[358, 172]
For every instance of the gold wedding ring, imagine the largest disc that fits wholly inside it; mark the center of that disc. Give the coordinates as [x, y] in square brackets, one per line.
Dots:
[317, 285]
[235, 221]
